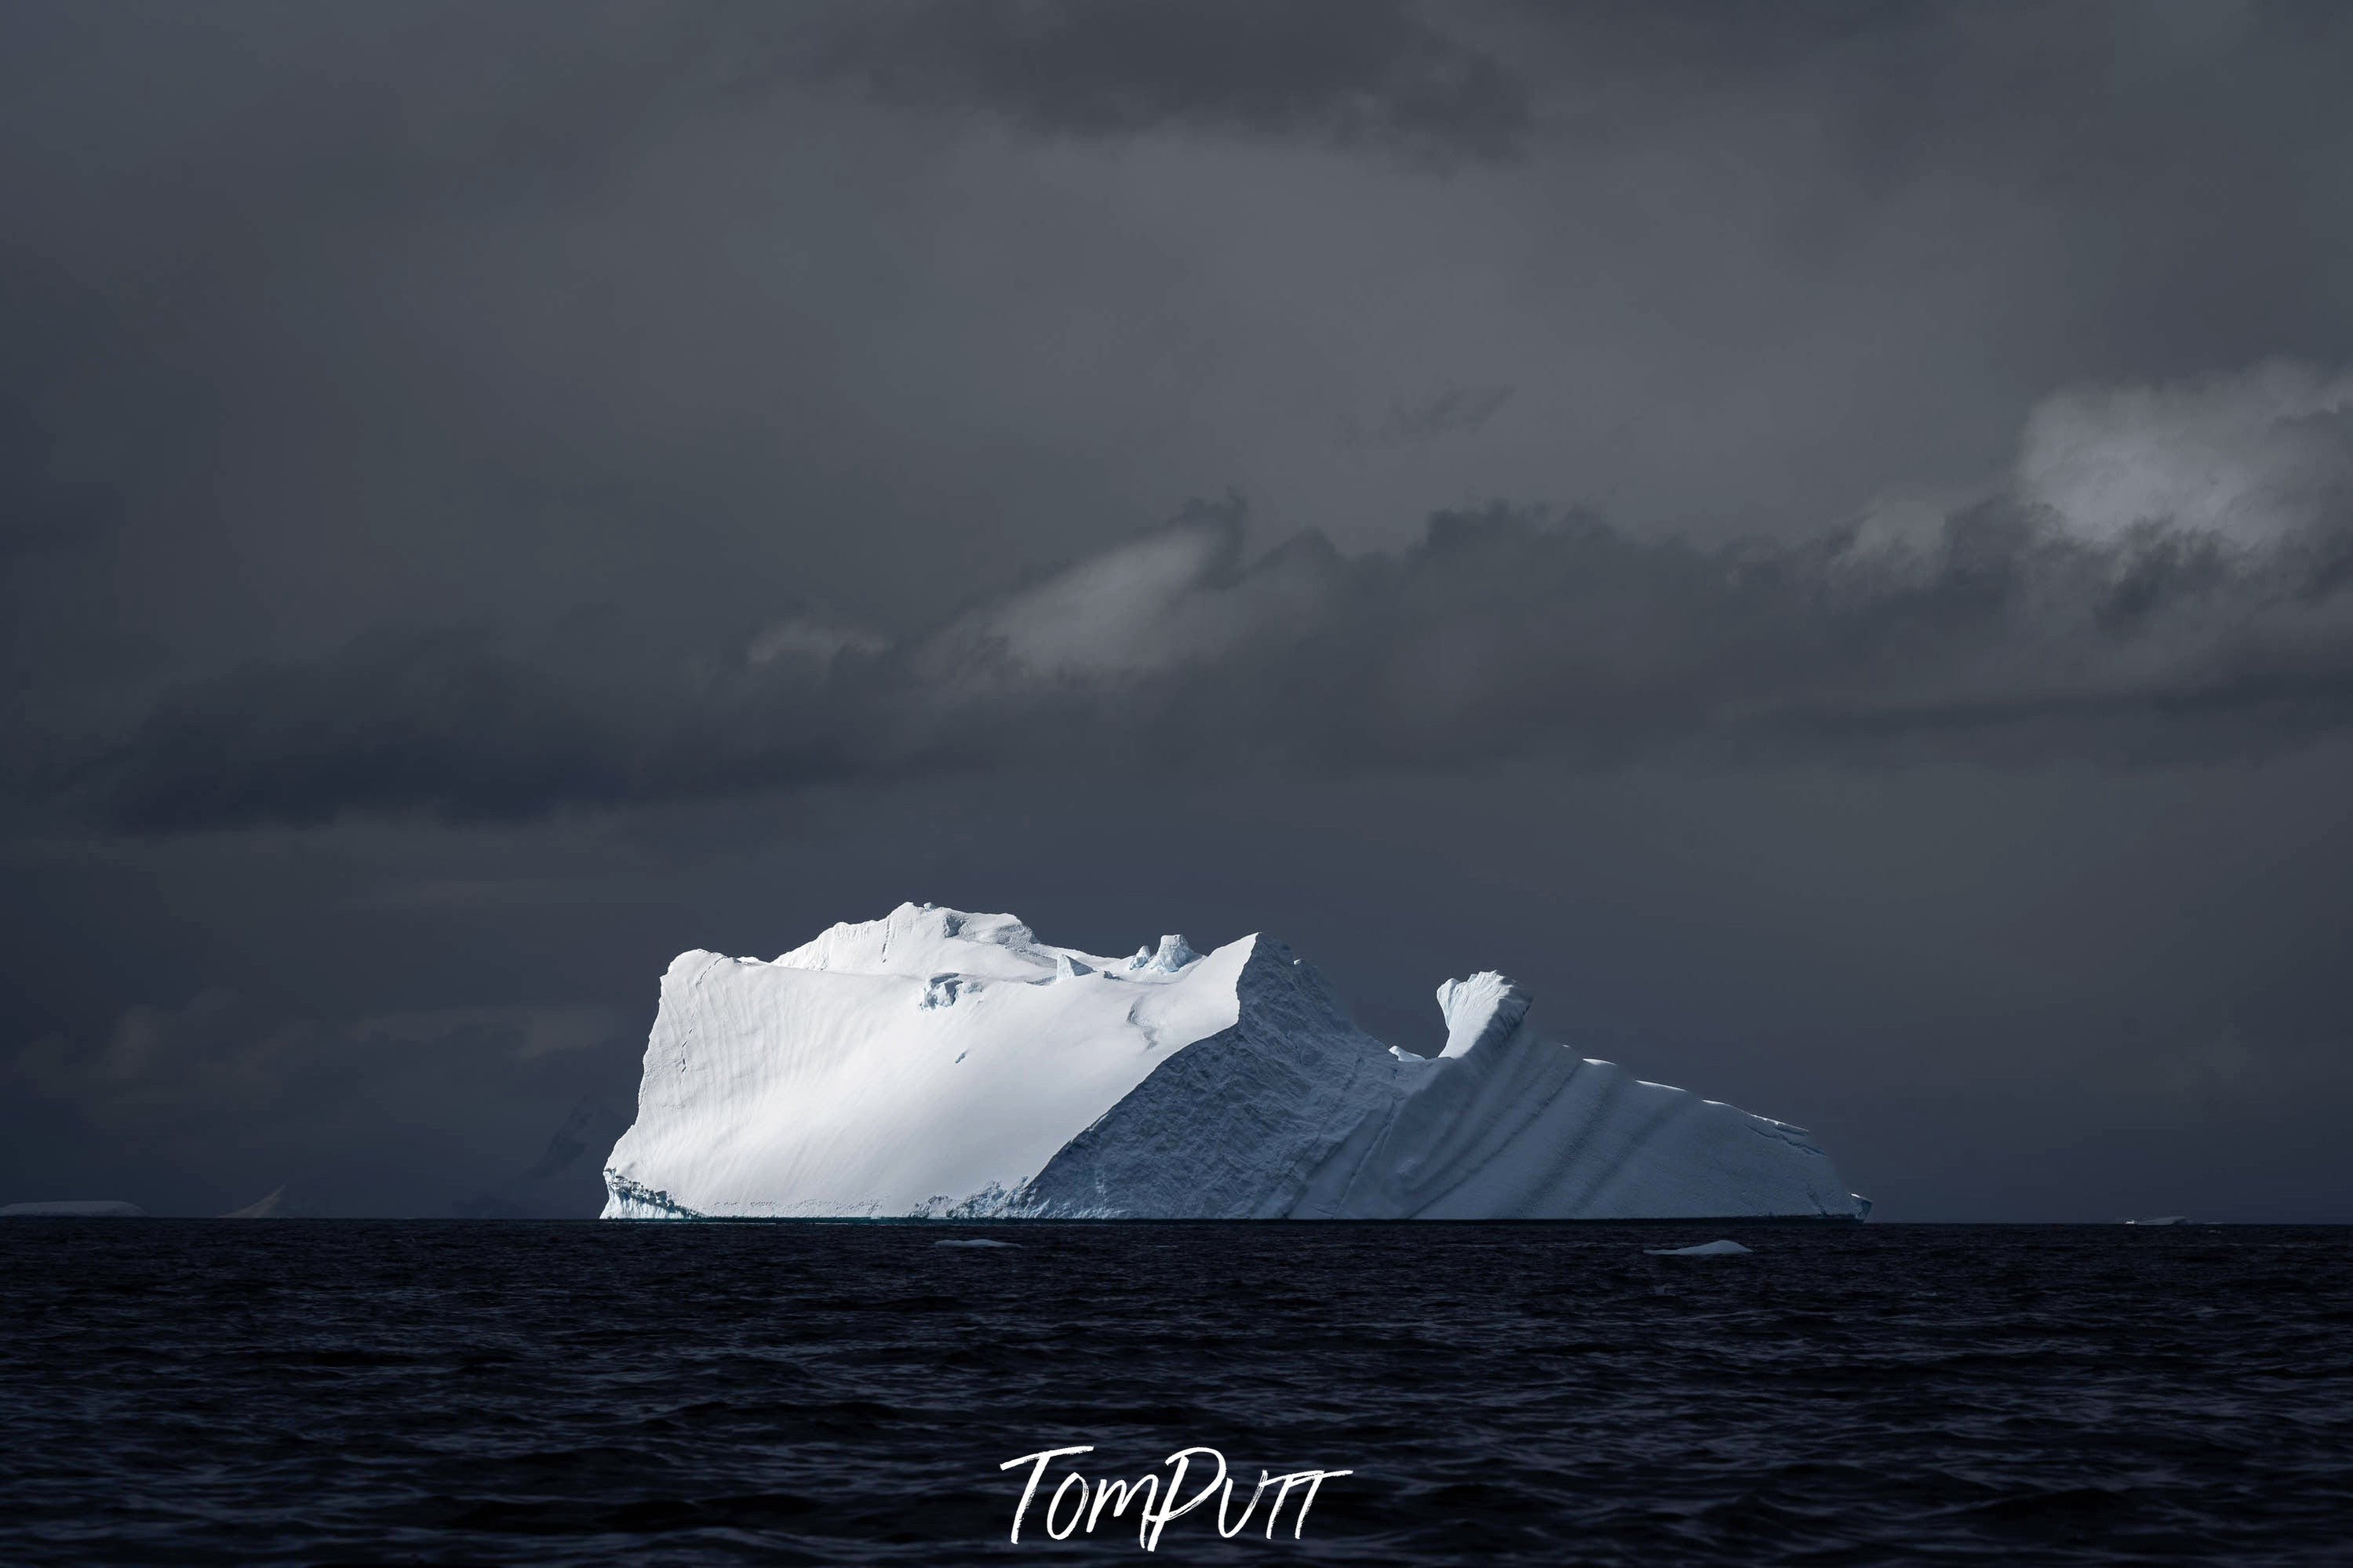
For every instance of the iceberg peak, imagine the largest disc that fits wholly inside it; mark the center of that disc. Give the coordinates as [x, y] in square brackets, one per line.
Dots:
[1173, 955]
[1486, 1006]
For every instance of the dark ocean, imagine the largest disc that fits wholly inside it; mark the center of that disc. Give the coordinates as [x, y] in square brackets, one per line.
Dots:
[208, 1392]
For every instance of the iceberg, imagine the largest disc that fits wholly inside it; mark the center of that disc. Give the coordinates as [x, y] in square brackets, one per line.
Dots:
[936, 1064]
[272, 1204]
[282, 1202]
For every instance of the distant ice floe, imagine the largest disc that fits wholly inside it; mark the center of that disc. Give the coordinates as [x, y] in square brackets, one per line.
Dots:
[975, 1243]
[74, 1208]
[1705, 1249]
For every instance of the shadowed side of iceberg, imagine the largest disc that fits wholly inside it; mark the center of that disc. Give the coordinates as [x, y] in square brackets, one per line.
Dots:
[1293, 1113]
[1510, 1125]
[1234, 1126]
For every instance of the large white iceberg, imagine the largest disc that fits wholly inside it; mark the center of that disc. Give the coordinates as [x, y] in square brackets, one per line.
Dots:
[938, 1064]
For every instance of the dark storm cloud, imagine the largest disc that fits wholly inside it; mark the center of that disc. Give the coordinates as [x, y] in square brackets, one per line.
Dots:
[471, 723]
[1353, 72]
[2113, 87]
[246, 125]
[1502, 635]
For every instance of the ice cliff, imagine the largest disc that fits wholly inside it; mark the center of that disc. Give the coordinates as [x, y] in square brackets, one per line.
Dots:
[941, 1064]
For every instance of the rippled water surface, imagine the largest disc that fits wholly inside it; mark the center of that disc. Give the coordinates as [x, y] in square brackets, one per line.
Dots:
[188, 1392]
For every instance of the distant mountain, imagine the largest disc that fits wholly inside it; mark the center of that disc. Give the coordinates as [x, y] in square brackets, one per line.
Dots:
[567, 1181]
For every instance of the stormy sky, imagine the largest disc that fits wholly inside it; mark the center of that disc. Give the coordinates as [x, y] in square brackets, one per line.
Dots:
[1818, 537]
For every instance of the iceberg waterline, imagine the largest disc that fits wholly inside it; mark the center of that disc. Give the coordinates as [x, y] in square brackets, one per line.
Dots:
[938, 1064]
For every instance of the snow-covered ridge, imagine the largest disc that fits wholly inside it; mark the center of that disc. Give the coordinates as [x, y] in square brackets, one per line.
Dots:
[936, 1063]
